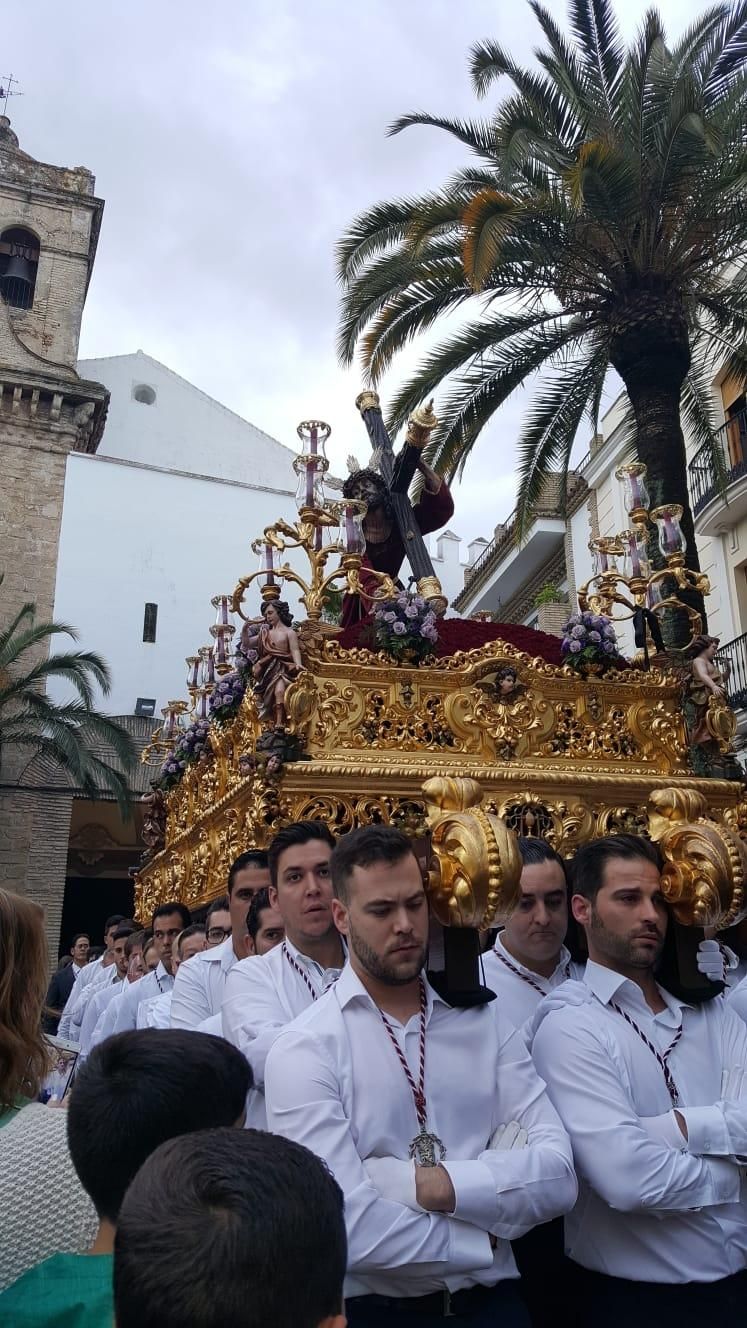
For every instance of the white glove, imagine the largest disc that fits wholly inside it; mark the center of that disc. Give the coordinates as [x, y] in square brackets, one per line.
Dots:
[711, 961]
[394, 1179]
[507, 1136]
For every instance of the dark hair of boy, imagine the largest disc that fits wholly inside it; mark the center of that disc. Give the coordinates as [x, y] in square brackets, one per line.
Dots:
[365, 847]
[165, 910]
[250, 1231]
[254, 857]
[260, 901]
[587, 868]
[138, 1089]
[298, 832]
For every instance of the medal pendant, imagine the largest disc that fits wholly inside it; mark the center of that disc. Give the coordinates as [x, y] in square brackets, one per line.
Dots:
[427, 1150]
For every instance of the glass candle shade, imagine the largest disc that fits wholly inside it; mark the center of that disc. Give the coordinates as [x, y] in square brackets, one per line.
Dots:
[221, 605]
[310, 487]
[314, 435]
[268, 563]
[635, 554]
[671, 539]
[635, 493]
[169, 725]
[207, 671]
[604, 552]
[222, 633]
[193, 665]
[352, 527]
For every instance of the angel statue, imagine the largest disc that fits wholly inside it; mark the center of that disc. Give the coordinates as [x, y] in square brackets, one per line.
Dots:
[272, 643]
[710, 722]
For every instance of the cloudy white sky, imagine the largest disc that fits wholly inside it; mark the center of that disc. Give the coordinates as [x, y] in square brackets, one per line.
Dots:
[232, 143]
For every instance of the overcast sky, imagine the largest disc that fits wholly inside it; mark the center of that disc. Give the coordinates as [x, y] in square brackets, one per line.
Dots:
[233, 143]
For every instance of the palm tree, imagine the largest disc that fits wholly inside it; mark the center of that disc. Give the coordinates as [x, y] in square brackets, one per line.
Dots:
[68, 732]
[602, 226]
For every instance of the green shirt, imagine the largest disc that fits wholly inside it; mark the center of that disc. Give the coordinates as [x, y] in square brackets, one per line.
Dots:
[66, 1291]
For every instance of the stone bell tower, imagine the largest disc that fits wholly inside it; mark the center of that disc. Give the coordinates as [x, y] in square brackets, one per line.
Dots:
[49, 226]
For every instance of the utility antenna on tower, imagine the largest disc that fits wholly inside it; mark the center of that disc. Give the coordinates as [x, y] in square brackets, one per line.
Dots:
[7, 90]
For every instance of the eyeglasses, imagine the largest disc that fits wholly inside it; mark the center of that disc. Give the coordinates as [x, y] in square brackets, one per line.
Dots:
[217, 934]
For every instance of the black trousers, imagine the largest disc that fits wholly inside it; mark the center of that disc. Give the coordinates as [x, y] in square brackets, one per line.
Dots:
[503, 1309]
[613, 1302]
[549, 1281]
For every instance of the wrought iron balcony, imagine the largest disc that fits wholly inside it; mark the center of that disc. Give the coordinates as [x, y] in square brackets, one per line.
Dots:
[734, 655]
[709, 474]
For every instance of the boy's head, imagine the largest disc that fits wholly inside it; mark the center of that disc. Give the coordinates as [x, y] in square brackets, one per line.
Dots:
[137, 1090]
[250, 1229]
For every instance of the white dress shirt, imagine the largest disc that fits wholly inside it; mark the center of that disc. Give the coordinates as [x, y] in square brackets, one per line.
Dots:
[155, 1012]
[99, 1000]
[519, 990]
[737, 999]
[153, 984]
[333, 1082]
[652, 1207]
[264, 993]
[108, 1019]
[89, 973]
[200, 985]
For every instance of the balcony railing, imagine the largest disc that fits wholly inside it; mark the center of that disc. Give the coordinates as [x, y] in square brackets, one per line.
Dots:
[505, 536]
[708, 473]
[734, 655]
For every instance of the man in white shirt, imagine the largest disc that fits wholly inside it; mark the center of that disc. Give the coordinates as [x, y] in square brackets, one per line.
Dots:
[126, 940]
[168, 921]
[653, 1092]
[529, 957]
[406, 1098]
[263, 993]
[198, 992]
[93, 972]
[155, 1012]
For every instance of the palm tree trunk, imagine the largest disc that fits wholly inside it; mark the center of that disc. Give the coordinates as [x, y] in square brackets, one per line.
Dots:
[652, 361]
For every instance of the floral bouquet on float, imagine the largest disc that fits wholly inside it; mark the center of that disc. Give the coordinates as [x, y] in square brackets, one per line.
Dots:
[405, 627]
[589, 643]
[227, 696]
[187, 751]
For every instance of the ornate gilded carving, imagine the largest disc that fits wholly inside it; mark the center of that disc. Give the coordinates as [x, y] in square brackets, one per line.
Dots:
[705, 863]
[475, 865]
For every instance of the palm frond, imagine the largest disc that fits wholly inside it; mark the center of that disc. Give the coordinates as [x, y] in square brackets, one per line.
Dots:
[475, 134]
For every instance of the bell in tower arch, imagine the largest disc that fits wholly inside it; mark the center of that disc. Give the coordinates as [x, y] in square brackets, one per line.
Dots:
[17, 282]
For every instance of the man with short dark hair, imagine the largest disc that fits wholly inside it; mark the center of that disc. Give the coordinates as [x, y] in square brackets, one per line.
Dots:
[134, 1092]
[199, 989]
[63, 980]
[653, 1092]
[156, 1011]
[168, 921]
[263, 993]
[251, 1232]
[218, 922]
[414, 1105]
[264, 924]
[104, 992]
[101, 1011]
[95, 971]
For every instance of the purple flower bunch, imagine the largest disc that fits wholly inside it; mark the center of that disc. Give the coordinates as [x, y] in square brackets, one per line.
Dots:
[187, 749]
[405, 627]
[227, 696]
[589, 638]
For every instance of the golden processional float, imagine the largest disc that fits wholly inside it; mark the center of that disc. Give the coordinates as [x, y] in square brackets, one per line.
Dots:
[465, 747]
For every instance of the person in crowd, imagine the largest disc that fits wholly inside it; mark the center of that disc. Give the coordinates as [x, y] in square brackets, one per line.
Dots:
[264, 924]
[150, 957]
[63, 980]
[198, 994]
[143, 956]
[653, 1092]
[128, 945]
[414, 1105]
[168, 921]
[264, 993]
[218, 922]
[42, 1207]
[156, 1011]
[529, 957]
[134, 1092]
[224, 1202]
[92, 972]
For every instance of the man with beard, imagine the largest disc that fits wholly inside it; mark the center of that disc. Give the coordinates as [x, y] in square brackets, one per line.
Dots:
[409, 1100]
[653, 1092]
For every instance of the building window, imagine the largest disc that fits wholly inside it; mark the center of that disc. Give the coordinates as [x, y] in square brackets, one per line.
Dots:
[19, 260]
[150, 618]
[145, 394]
[145, 705]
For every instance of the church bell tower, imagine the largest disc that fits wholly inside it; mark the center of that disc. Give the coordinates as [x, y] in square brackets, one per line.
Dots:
[49, 226]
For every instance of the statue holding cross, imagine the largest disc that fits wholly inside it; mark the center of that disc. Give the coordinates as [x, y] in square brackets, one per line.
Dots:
[393, 527]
